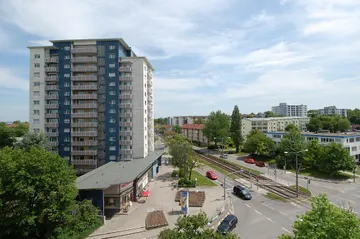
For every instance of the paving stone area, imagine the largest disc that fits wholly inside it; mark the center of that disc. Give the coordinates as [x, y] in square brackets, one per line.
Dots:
[155, 219]
[196, 198]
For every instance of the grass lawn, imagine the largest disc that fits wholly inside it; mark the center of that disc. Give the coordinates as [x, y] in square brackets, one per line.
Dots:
[201, 179]
[273, 196]
[302, 189]
[317, 174]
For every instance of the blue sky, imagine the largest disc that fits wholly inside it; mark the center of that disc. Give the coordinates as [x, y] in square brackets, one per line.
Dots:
[208, 54]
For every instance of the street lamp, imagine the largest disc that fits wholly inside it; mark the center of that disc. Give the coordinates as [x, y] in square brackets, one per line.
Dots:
[297, 168]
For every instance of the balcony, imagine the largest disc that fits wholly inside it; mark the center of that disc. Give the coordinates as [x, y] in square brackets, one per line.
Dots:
[84, 152]
[125, 78]
[125, 124]
[149, 82]
[150, 98]
[150, 115]
[84, 134]
[51, 116]
[85, 143]
[126, 115]
[84, 59]
[51, 78]
[53, 143]
[125, 142]
[84, 115]
[51, 97]
[126, 133]
[149, 90]
[125, 105]
[51, 87]
[125, 69]
[84, 106]
[53, 59]
[125, 96]
[125, 87]
[51, 125]
[126, 151]
[52, 106]
[84, 50]
[84, 78]
[84, 162]
[84, 69]
[150, 75]
[51, 69]
[84, 87]
[84, 96]
[84, 124]
[52, 134]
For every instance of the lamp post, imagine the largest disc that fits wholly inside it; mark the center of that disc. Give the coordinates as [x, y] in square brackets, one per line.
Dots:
[296, 168]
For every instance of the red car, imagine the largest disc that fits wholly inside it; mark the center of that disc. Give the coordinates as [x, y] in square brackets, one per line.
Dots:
[210, 174]
[250, 161]
[260, 164]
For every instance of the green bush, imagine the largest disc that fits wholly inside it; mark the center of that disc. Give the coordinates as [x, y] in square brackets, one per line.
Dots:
[174, 173]
[181, 173]
[184, 182]
[212, 147]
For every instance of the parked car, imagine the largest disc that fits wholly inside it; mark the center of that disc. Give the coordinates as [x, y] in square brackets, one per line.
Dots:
[224, 156]
[250, 160]
[210, 174]
[231, 152]
[228, 224]
[242, 192]
[260, 164]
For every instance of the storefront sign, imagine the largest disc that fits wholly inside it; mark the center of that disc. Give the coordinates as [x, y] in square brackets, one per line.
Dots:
[143, 181]
[184, 202]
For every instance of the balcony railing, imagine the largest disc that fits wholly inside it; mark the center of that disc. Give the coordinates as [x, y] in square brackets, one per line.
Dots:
[84, 162]
[84, 115]
[51, 97]
[84, 96]
[150, 115]
[84, 124]
[84, 134]
[52, 134]
[125, 105]
[84, 69]
[52, 106]
[84, 152]
[125, 96]
[126, 133]
[53, 59]
[125, 124]
[84, 106]
[150, 75]
[125, 142]
[53, 143]
[51, 78]
[150, 98]
[149, 82]
[80, 59]
[125, 78]
[126, 151]
[125, 87]
[51, 69]
[51, 87]
[89, 49]
[51, 125]
[84, 170]
[125, 69]
[84, 87]
[50, 115]
[84, 78]
[85, 143]
[126, 115]
[150, 90]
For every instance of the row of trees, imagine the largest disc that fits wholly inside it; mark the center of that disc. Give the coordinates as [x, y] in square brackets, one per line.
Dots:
[8, 134]
[354, 116]
[331, 123]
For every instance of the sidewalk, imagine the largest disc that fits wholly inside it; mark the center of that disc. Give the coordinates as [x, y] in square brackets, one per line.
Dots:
[162, 197]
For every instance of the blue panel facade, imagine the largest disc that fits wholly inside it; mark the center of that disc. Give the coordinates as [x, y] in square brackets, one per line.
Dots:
[64, 74]
[96, 196]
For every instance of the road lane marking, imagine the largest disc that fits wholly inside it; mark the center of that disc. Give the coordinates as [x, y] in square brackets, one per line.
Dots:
[341, 191]
[283, 213]
[270, 220]
[291, 218]
[285, 230]
[327, 187]
[356, 195]
[247, 205]
[258, 212]
[268, 207]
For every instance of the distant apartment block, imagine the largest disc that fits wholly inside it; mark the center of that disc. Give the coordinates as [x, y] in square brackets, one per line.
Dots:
[290, 110]
[350, 140]
[94, 100]
[272, 124]
[181, 120]
[332, 110]
[194, 133]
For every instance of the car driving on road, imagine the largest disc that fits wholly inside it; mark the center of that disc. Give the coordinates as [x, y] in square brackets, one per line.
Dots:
[242, 192]
[228, 224]
[210, 174]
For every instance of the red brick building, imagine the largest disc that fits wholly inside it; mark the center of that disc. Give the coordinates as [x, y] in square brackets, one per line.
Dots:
[194, 133]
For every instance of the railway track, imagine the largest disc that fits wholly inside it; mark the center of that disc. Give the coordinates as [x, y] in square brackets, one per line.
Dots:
[263, 182]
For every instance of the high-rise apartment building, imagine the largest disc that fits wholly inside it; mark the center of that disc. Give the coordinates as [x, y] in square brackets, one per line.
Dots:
[94, 100]
[332, 110]
[290, 110]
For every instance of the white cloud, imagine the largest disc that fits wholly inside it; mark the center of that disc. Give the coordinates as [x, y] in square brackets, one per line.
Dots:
[168, 84]
[10, 80]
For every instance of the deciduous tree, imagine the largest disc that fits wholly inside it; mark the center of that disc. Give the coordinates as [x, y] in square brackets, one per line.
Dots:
[217, 126]
[6, 138]
[33, 140]
[258, 143]
[291, 127]
[235, 128]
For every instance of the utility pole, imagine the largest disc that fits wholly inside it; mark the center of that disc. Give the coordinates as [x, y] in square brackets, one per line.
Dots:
[297, 175]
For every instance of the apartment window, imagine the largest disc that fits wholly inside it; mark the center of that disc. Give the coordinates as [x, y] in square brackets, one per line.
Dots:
[112, 139]
[37, 65]
[112, 93]
[67, 66]
[67, 139]
[112, 84]
[112, 65]
[36, 102]
[67, 57]
[353, 148]
[36, 74]
[67, 103]
[66, 148]
[111, 56]
[112, 102]
[112, 130]
[36, 93]
[36, 121]
[145, 68]
[66, 130]
[37, 56]
[67, 75]
[67, 48]
[67, 121]
[36, 130]
[67, 112]
[112, 157]
[67, 84]
[67, 94]
[112, 47]
[145, 85]
[112, 111]
[111, 74]
[36, 83]
[36, 112]
[112, 120]
[112, 148]
[145, 102]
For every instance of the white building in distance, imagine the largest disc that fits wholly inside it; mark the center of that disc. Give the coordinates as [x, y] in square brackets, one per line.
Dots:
[286, 110]
[332, 110]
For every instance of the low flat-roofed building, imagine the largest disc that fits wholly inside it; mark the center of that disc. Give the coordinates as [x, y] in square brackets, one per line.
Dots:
[349, 140]
[194, 133]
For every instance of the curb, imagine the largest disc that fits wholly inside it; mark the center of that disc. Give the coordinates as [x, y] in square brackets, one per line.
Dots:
[346, 181]
[216, 220]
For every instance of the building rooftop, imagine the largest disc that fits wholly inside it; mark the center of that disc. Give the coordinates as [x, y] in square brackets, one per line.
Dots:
[114, 173]
[324, 134]
[275, 118]
[193, 126]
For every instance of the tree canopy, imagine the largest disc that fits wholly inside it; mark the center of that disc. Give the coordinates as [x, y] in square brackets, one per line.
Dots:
[269, 114]
[217, 126]
[331, 123]
[194, 227]
[258, 143]
[199, 121]
[235, 128]
[354, 116]
[33, 140]
[177, 129]
[6, 138]
[161, 121]
[326, 221]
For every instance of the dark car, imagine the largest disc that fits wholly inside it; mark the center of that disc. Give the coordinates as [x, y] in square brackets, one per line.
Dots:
[228, 224]
[242, 192]
[224, 156]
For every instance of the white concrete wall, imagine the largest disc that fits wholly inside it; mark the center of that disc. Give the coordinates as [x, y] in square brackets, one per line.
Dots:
[150, 107]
